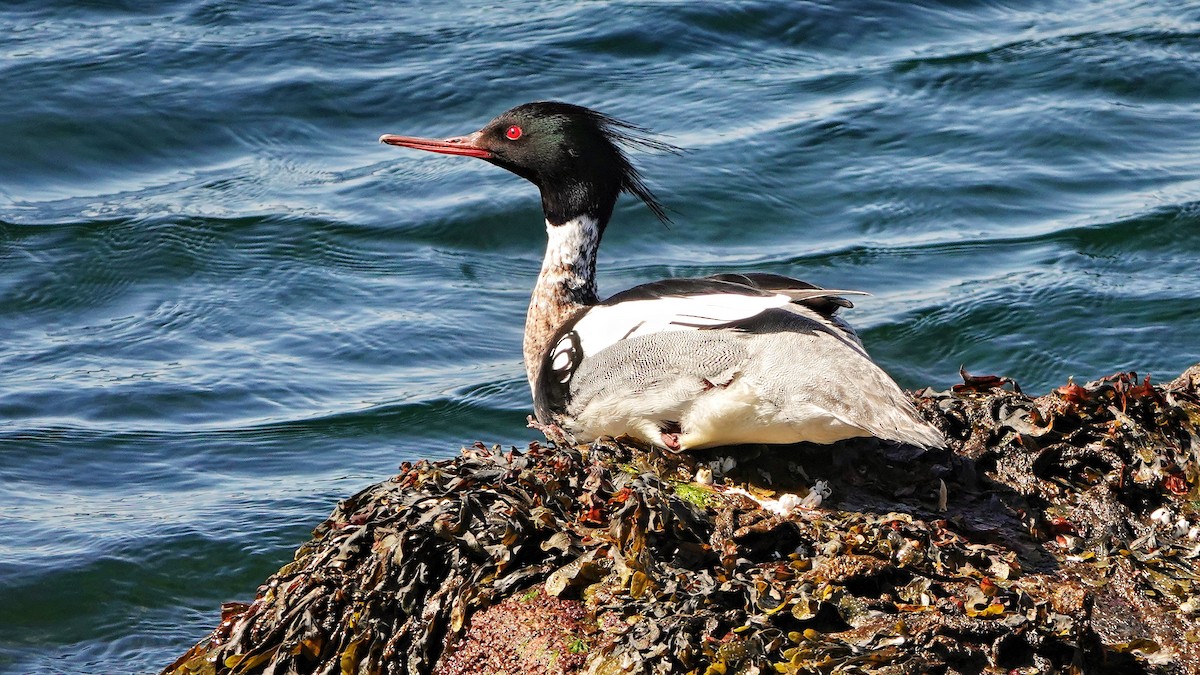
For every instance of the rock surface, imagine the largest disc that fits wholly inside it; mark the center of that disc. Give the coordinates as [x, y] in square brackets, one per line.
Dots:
[1054, 534]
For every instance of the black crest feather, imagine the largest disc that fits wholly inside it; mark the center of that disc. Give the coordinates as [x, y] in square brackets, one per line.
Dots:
[620, 137]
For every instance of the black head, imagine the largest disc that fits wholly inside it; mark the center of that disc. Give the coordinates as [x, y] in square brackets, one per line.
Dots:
[573, 154]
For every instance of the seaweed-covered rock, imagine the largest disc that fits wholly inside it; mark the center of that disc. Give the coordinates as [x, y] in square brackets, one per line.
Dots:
[1054, 534]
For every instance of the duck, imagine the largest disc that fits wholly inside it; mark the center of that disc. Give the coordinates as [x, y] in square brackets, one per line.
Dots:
[682, 364]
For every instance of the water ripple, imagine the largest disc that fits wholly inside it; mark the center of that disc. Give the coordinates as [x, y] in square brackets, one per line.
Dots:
[225, 305]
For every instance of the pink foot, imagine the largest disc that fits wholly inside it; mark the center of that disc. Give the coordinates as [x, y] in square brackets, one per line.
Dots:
[671, 441]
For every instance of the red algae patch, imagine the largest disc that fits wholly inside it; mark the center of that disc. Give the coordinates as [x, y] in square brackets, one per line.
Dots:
[528, 634]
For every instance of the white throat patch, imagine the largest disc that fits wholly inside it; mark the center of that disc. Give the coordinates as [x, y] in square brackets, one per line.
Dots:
[571, 249]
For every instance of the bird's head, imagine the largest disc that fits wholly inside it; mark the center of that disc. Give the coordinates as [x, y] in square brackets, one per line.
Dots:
[574, 155]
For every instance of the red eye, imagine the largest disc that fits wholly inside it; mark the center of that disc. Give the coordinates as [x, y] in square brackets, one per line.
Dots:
[513, 133]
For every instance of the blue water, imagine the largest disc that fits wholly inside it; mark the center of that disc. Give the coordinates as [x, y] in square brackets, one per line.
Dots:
[223, 305]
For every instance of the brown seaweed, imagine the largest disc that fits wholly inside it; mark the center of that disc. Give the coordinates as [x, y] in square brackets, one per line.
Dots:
[1054, 534]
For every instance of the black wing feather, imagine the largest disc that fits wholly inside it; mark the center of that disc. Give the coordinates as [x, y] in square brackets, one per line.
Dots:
[756, 284]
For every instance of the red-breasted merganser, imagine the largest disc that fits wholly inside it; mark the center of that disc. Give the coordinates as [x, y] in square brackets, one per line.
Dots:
[680, 363]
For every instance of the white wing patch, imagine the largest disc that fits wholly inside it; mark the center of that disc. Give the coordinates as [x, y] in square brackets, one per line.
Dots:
[605, 325]
[561, 359]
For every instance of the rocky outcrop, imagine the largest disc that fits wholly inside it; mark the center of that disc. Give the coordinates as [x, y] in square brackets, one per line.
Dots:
[1054, 534]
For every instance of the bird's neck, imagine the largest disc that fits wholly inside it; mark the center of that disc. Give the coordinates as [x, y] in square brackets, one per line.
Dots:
[566, 284]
